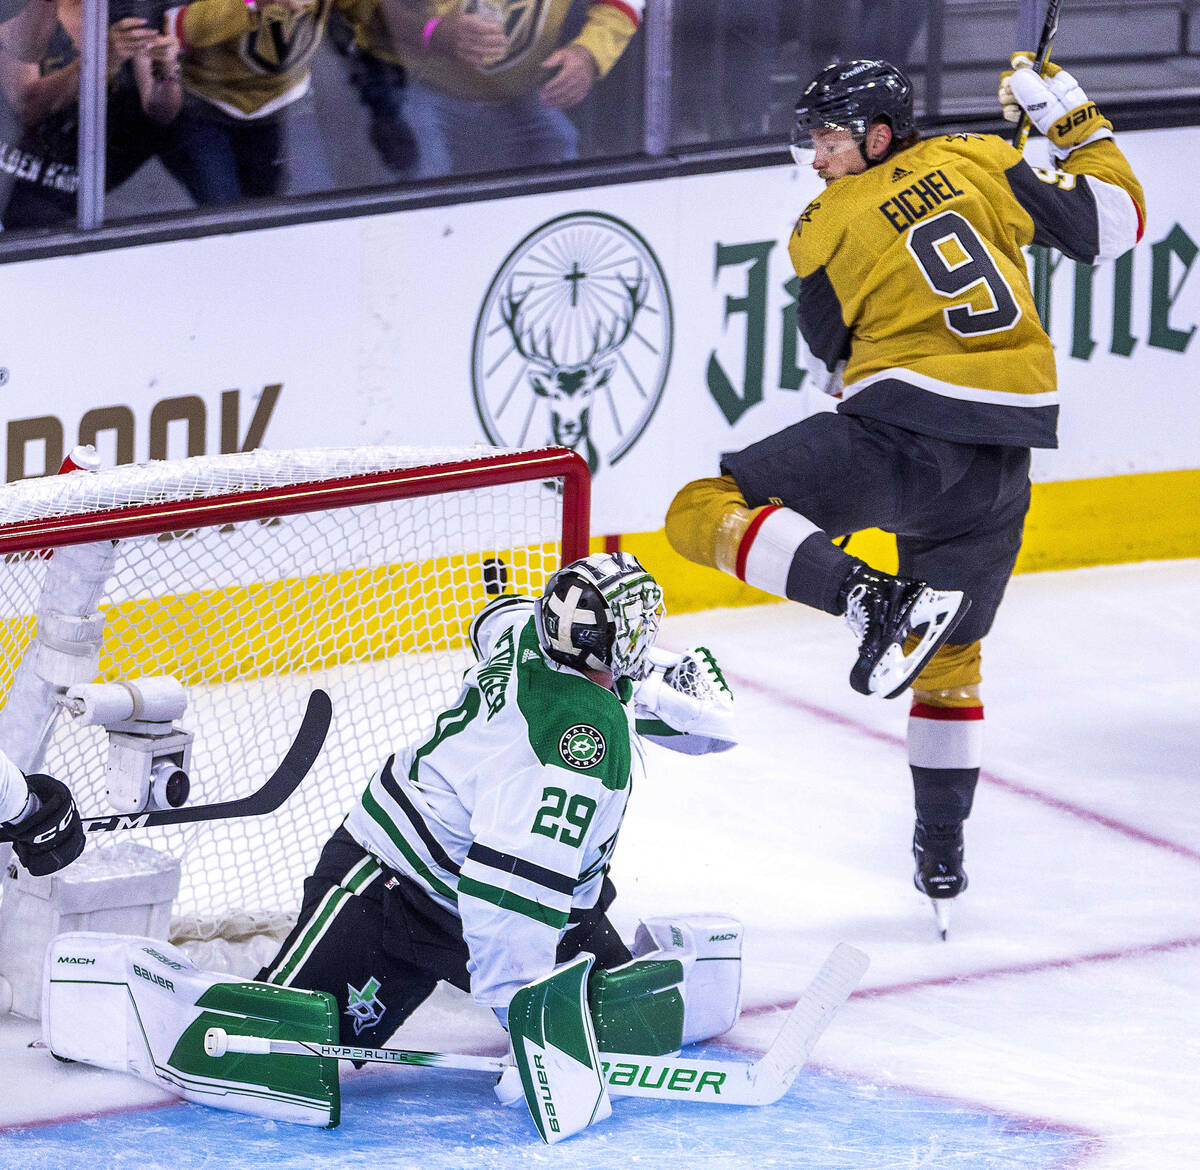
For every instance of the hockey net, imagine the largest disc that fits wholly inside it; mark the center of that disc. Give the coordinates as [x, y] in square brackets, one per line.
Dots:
[252, 579]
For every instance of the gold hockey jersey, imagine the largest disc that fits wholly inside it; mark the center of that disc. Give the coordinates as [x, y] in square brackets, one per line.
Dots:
[532, 28]
[251, 60]
[912, 274]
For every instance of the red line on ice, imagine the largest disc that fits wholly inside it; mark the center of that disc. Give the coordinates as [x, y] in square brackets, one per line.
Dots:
[1070, 808]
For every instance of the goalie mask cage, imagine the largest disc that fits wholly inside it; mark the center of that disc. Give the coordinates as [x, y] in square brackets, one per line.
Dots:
[252, 579]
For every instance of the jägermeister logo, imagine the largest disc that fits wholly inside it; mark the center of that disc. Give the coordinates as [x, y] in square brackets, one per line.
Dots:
[573, 341]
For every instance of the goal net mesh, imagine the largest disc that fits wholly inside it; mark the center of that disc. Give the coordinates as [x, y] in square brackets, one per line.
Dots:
[369, 601]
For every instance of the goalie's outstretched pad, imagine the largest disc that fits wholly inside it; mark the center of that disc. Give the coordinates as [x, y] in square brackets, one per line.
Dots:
[554, 1044]
[140, 1005]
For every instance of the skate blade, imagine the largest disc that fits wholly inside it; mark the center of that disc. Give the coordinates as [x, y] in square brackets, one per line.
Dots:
[941, 911]
[939, 610]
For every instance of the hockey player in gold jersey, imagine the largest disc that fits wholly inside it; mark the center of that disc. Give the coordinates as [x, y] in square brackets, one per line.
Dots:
[916, 308]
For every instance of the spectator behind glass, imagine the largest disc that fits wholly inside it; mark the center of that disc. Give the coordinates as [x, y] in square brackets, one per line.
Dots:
[248, 126]
[39, 114]
[378, 75]
[24, 26]
[488, 81]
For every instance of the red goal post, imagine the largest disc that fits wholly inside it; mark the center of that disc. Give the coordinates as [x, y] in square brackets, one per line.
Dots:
[251, 579]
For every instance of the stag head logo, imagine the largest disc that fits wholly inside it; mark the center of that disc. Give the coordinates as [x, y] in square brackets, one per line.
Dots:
[569, 388]
[574, 339]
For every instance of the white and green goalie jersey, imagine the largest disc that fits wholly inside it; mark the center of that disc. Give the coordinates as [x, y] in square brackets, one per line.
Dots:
[508, 813]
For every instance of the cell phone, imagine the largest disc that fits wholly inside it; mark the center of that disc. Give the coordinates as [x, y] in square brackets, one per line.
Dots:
[151, 11]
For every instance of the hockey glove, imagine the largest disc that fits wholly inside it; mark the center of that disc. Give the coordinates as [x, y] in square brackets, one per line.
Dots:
[685, 704]
[51, 835]
[1055, 104]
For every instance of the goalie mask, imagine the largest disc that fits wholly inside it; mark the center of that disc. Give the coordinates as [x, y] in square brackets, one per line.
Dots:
[600, 613]
[852, 95]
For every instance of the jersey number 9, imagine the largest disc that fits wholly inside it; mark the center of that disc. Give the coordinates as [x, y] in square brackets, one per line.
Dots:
[954, 260]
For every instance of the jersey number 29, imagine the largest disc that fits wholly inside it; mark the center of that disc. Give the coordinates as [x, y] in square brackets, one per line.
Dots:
[954, 260]
[577, 812]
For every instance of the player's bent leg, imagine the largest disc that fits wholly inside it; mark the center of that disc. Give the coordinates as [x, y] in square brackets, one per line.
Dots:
[683, 986]
[341, 944]
[776, 549]
[945, 747]
[773, 548]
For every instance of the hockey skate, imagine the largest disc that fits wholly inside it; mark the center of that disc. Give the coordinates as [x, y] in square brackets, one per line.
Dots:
[883, 611]
[938, 852]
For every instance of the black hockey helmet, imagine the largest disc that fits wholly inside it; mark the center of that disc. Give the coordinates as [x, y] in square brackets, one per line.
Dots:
[600, 613]
[852, 95]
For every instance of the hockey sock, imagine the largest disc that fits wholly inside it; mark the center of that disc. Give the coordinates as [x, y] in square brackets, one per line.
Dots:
[785, 553]
[944, 753]
[945, 734]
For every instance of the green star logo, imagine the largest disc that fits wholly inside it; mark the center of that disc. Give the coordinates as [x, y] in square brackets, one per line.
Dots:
[582, 746]
[362, 1006]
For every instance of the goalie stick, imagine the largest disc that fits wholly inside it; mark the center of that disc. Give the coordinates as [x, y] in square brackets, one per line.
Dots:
[673, 1078]
[294, 766]
[1045, 41]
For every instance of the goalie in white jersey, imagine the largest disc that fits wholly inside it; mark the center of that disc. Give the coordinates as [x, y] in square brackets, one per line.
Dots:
[480, 856]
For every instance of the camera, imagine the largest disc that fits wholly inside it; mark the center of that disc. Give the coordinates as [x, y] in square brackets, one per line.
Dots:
[148, 755]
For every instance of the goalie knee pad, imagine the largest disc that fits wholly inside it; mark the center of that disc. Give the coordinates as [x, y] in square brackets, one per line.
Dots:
[709, 947]
[638, 1007]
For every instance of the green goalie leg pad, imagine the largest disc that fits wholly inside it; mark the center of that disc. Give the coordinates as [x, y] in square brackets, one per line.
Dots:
[638, 1007]
[139, 1005]
[278, 1013]
[554, 1044]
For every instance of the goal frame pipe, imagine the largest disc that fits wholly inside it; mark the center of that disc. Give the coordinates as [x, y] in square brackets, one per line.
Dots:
[294, 499]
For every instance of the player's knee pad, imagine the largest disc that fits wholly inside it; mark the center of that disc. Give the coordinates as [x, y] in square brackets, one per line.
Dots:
[702, 954]
[951, 677]
[707, 520]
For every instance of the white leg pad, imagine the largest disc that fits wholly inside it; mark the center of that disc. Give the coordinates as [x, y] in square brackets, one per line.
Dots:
[710, 948]
[139, 1005]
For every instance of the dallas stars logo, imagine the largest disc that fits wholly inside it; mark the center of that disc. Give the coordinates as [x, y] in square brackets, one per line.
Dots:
[582, 746]
[362, 1006]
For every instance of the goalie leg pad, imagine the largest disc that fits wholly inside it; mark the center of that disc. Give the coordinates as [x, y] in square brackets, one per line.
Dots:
[554, 1045]
[709, 949]
[139, 1005]
[638, 1007]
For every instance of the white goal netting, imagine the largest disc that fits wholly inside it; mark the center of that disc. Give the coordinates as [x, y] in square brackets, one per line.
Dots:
[263, 576]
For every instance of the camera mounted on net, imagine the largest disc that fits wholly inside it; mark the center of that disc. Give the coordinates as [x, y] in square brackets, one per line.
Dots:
[148, 755]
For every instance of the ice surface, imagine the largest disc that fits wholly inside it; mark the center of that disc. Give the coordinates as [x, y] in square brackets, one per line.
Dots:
[1056, 1028]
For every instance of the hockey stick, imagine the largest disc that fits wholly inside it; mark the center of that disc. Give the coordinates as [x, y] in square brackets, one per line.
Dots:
[282, 783]
[1021, 135]
[723, 1082]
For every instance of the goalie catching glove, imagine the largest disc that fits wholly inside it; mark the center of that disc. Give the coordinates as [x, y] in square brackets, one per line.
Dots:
[48, 834]
[1055, 103]
[685, 704]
